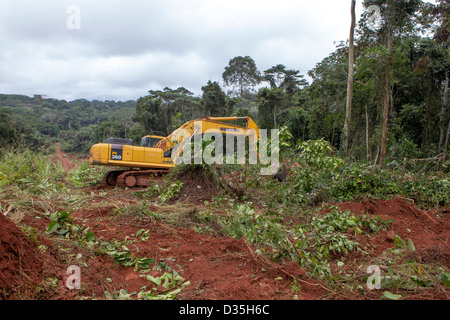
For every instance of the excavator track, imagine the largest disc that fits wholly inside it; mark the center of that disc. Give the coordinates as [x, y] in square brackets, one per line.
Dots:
[132, 178]
[110, 178]
[139, 178]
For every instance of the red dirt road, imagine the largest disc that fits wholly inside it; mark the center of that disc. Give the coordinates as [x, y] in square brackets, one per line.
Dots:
[66, 163]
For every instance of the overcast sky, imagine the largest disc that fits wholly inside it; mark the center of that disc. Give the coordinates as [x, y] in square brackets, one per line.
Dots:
[118, 50]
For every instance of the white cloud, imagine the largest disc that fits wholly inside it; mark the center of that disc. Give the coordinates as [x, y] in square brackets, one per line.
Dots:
[125, 48]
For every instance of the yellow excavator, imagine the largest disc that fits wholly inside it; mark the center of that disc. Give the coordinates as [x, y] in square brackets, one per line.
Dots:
[154, 158]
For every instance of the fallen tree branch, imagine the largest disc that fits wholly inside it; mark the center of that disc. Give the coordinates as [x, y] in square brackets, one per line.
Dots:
[8, 210]
[438, 157]
[263, 260]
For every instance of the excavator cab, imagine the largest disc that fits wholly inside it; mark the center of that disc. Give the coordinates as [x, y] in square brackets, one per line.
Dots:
[151, 141]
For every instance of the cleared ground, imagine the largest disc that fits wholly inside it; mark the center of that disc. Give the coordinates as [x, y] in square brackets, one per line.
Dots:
[202, 265]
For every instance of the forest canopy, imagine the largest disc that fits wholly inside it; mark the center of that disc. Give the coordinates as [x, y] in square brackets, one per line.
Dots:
[399, 94]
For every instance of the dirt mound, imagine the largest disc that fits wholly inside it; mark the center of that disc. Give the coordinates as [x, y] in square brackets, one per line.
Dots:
[429, 232]
[200, 183]
[20, 262]
[218, 268]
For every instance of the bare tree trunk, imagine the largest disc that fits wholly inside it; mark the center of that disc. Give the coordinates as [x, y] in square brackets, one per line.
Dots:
[332, 131]
[427, 116]
[367, 134]
[376, 157]
[242, 95]
[304, 129]
[446, 145]
[351, 54]
[387, 84]
[385, 115]
[275, 114]
[443, 112]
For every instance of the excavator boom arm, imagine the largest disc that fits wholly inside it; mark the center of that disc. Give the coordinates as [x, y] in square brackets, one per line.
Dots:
[202, 125]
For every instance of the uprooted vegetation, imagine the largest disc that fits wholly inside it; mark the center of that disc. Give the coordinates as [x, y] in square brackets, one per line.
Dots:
[225, 232]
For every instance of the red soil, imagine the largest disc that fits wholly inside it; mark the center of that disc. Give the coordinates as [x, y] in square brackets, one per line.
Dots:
[66, 163]
[429, 231]
[217, 267]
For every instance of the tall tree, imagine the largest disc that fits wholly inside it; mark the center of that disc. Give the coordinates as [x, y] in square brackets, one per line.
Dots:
[214, 100]
[157, 110]
[441, 35]
[276, 102]
[399, 22]
[447, 136]
[434, 66]
[242, 74]
[351, 53]
[148, 113]
[387, 83]
[270, 102]
[287, 79]
[7, 129]
[327, 96]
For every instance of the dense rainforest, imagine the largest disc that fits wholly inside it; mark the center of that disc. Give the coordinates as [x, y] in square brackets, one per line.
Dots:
[390, 105]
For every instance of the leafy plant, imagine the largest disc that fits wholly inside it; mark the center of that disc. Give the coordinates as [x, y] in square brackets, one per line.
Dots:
[445, 277]
[123, 255]
[329, 234]
[256, 227]
[401, 245]
[86, 175]
[32, 172]
[143, 235]
[164, 193]
[63, 225]
[392, 296]
[171, 191]
[170, 284]
[149, 192]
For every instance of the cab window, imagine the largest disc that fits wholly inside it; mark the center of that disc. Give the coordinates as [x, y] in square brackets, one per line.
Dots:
[149, 142]
[145, 141]
[154, 142]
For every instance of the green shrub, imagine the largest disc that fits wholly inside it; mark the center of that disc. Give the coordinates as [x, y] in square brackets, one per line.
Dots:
[428, 191]
[86, 175]
[242, 220]
[328, 235]
[30, 171]
[322, 176]
[358, 180]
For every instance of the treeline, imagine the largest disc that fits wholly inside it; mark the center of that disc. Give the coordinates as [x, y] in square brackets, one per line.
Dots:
[398, 110]
[37, 122]
[399, 89]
